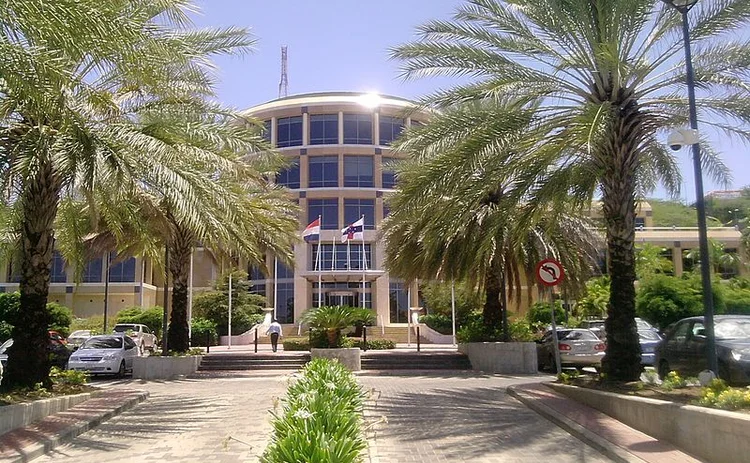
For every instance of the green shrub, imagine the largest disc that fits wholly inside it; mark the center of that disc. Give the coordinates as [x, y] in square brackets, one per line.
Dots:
[321, 419]
[93, 324]
[673, 381]
[662, 300]
[737, 299]
[295, 344]
[68, 377]
[203, 331]
[376, 344]
[541, 312]
[152, 317]
[441, 323]
[328, 321]
[60, 317]
[520, 331]
[247, 307]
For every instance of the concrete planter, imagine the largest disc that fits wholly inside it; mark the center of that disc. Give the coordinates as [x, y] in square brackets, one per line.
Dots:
[713, 435]
[19, 415]
[501, 357]
[349, 357]
[157, 367]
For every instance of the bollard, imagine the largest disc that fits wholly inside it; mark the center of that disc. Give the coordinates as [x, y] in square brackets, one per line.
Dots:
[364, 338]
[256, 340]
[208, 341]
[418, 346]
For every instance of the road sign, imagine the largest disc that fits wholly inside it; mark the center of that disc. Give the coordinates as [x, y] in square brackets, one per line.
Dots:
[549, 272]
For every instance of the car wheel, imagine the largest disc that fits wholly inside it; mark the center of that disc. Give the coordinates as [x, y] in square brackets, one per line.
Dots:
[121, 371]
[663, 369]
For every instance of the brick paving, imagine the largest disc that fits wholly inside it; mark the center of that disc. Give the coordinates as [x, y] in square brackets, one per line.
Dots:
[439, 418]
[188, 420]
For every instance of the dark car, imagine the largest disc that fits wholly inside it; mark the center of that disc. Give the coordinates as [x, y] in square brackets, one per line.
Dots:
[58, 353]
[684, 348]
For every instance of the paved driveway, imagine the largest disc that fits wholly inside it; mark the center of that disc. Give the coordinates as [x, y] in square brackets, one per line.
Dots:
[436, 418]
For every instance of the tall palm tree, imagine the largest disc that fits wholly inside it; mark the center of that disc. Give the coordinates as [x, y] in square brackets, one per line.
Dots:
[604, 79]
[74, 71]
[460, 213]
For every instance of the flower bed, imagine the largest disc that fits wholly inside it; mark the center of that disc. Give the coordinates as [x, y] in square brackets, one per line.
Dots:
[321, 420]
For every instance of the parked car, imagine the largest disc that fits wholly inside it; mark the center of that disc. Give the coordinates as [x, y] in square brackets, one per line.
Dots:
[77, 338]
[649, 339]
[105, 354]
[141, 334]
[57, 337]
[58, 353]
[578, 348]
[643, 325]
[597, 326]
[684, 348]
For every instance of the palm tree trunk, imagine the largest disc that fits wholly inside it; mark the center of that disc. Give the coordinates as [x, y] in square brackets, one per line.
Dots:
[28, 362]
[492, 313]
[622, 361]
[179, 265]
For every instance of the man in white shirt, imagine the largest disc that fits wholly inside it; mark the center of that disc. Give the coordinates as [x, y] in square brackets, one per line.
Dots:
[275, 331]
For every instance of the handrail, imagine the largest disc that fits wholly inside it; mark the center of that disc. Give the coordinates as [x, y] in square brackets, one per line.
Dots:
[299, 329]
[382, 325]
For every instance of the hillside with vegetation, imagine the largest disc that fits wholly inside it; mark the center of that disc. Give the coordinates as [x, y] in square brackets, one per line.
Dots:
[674, 213]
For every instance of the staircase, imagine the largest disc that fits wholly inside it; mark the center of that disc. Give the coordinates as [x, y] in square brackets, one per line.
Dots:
[398, 334]
[252, 361]
[400, 360]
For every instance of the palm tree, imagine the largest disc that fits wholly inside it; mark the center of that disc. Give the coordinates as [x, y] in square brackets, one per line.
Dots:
[604, 79]
[718, 257]
[73, 74]
[460, 212]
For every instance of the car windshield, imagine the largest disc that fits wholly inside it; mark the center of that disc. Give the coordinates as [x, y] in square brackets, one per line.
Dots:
[649, 335]
[80, 333]
[594, 324]
[732, 329]
[110, 342]
[577, 335]
[124, 328]
[643, 325]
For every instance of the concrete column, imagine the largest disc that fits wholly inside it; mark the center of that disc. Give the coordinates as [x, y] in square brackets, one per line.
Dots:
[375, 128]
[274, 133]
[381, 300]
[341, 127]
[305, 129]
[677, 261]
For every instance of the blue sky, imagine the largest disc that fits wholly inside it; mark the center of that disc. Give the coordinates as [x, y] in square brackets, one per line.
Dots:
[343, 45]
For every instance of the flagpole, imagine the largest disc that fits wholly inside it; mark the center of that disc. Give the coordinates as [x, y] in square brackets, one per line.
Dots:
[320, 269]
[348, 257]
[364, 261]
[453, 309]
[275, 285]
[333, 257]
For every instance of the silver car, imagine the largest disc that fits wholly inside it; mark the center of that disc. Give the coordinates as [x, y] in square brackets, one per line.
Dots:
[578, 348]
[108, 354]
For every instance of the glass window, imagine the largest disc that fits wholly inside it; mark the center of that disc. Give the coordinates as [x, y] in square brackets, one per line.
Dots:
[386, 209]
[324, 129]
[388, 174]
[327, 209]
[323, 171]
[399, 303]
[285, 302]
[358, 129]
[122, 272]
[257, 280]
[356, 208]
[347, 257]
[284, 272]
[640, 222]
[358, 171]
[680, 332]
[390, 129]
[92, 272]
[289, 131]
[57, 272]
[289, 177]
[266, 132]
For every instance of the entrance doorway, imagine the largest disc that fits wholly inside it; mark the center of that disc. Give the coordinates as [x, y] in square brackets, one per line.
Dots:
[341, 298]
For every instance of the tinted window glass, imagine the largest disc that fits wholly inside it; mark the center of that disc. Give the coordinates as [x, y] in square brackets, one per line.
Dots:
[388, 175]
[323, 171]
[358, 129]
[680, 332]
[289, 131]
[289, 177]
[344, 260]
[110, 342]
[266, 132]
[92, 273]
[285, 303]
[57, 273]
[390, 129]
[328, 209]
[358, 171]
[577, 335]
[122, 272]
[324, 129]
[356, 208]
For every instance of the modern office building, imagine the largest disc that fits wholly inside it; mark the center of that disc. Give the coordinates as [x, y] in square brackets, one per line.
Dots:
[341, 168]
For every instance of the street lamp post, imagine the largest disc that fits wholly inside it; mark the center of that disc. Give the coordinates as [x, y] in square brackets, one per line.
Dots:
[684, 6]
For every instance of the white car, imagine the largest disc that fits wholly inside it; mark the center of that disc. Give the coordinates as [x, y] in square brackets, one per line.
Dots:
[77, 338]
[143, 337]
[107, 355]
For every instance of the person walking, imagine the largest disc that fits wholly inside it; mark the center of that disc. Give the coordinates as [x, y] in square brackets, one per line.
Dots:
[275, 331]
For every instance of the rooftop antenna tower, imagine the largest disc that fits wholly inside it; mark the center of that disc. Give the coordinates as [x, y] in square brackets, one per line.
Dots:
[284, 83]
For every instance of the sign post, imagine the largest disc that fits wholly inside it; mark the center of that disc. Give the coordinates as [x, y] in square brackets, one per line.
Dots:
[550, 273]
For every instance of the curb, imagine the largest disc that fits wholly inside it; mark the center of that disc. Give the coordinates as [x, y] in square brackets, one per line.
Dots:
[44, 443]
[609, 449]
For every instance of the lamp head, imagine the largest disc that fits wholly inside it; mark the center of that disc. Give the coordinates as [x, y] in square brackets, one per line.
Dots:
[681, 5]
